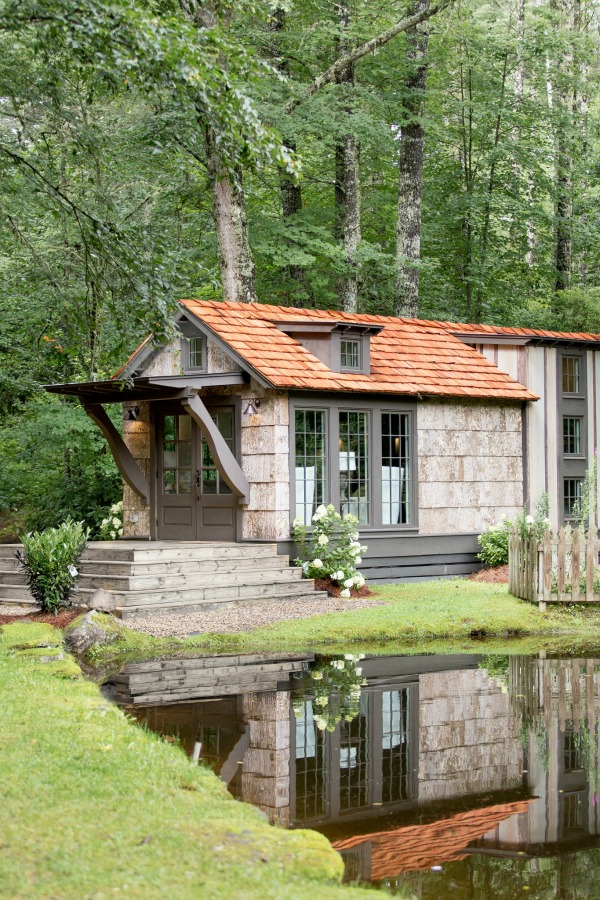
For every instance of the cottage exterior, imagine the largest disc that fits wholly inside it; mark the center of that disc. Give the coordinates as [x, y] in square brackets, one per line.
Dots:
[254, 415]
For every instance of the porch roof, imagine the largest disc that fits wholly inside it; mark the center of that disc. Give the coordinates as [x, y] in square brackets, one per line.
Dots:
[408, 356]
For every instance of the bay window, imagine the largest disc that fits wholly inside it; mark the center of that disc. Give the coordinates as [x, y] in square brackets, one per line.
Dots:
[362, 460]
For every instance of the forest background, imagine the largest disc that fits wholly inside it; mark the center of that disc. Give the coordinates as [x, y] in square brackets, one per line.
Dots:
[427, 159]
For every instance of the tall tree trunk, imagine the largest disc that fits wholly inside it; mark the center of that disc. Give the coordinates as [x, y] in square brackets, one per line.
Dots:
[519, 96]
[410, 167]
[229, 211]
[347, 188]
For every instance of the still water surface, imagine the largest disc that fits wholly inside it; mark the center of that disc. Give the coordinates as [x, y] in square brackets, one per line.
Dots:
[434, 776]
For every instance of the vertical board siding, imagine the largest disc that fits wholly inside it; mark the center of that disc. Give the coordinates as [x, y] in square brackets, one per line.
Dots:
[551, 455]
[596, 407]
[536, 439]
[508, 361]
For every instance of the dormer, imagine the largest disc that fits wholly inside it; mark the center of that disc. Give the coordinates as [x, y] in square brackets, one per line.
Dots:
[342, 346]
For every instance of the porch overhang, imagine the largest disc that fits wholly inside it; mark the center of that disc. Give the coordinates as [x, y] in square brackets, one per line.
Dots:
[149, 388]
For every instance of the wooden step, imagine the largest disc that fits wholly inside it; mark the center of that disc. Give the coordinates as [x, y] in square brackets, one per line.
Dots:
[128, 613]
[120, 583]
[177, 566]
[154, 551]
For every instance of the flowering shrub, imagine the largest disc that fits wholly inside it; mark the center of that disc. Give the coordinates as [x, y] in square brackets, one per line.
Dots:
[111, 528]
[494, 540]
[332, 549]
[334, 690]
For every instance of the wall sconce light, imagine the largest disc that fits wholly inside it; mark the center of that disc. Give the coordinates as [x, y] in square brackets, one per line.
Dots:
[132, 414]
[252, 407]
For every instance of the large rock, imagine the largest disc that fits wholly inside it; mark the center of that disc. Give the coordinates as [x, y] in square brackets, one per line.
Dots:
[92, 628]
[103, 601]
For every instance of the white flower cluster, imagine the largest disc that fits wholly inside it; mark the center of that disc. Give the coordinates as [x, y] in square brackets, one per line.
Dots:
[111, 528]
[331, 548]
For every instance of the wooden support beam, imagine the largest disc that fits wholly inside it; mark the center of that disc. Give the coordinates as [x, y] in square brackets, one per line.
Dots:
[126, 464]
[225, 461]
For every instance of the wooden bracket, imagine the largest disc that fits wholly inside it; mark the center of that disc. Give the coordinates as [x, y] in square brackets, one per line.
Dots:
[128, 467]
[225, 461]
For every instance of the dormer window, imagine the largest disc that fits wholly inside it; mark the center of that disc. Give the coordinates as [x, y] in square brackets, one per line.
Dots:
[196, 353]
[350, 354]
[342, 346]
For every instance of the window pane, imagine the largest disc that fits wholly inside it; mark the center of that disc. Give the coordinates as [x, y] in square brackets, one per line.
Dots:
[570, 374]
[196, 353]
[350, 354]
[310, 462]
[572, 496]
[169, 456]
[170, 481]
[185, 481]
[209, 481]
[354, 465]
[169, 428]
[185, 454]
[571, 436]
[184, 424]
[395, 468]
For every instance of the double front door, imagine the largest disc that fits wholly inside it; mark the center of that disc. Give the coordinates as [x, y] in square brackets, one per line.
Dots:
[194, 502]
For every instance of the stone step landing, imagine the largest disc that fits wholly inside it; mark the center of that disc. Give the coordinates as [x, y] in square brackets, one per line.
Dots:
[160, 578]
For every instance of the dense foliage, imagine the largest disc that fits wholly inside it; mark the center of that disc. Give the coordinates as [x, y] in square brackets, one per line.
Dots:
[49, 560]
[139, 141]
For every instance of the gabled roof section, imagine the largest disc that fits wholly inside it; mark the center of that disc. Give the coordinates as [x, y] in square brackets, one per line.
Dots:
[408, 356]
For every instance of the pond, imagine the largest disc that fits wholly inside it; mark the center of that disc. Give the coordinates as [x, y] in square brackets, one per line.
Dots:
[467, 776]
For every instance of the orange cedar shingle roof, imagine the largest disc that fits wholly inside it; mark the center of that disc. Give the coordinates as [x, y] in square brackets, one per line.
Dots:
[407, 357]
[422, 846]
[466, 328]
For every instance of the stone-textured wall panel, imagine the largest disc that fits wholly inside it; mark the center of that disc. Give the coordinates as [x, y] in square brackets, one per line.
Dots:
[166, 362]
[218, 360]
[468, 736]
[470, 465]
[137, 437]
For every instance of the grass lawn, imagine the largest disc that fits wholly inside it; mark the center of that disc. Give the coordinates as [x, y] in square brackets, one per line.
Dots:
[436, 616]
[95, 807]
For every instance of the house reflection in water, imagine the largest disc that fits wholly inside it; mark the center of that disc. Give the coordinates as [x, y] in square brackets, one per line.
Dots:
[405, 763]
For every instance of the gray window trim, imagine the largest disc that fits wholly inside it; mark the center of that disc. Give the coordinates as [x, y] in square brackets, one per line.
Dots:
[188, 369]
[575, 406]
[332, 405]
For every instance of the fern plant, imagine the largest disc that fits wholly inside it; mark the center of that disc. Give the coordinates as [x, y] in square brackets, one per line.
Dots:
[50, 560]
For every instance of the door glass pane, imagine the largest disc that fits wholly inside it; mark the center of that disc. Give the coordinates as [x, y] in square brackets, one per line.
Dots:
[209, 481]
[310, 462]
[185, 481]
[212, 483]
[185, 454]
[184, 427]
[169, 428]
[177, 454]
[354, 465]
[395, 469]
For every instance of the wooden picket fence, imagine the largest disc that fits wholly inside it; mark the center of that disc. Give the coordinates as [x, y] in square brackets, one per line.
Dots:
[560, 568]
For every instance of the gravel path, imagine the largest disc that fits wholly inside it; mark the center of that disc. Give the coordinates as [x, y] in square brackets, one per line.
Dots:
[244, 618]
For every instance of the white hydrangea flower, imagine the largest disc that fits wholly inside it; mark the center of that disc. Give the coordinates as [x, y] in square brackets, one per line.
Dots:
[317, 563]
[354, 536]
[530, 520]
[116, 522]
[316, 676]
[357, 560]
[338, 663]
[359, 581]
[349, 582]
[358, 670]
[322, 540]
[297, 521]
[338, 576]
[345, 593]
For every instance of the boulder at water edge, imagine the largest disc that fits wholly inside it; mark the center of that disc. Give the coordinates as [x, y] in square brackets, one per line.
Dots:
[92, 628]
[103, 601]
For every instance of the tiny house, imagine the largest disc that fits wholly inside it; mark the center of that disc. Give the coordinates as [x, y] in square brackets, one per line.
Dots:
[252, 416]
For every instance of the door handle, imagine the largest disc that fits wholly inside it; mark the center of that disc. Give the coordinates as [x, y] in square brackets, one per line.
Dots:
[198, 478]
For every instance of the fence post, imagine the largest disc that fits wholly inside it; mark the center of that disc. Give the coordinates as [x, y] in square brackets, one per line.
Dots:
[575, 567]
[547, 566]
[590, 563]
[560, 564]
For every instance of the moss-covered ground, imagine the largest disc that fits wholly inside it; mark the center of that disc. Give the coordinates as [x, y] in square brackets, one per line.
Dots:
[93, 806]
[435, 617]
